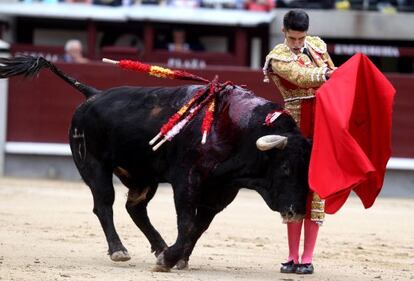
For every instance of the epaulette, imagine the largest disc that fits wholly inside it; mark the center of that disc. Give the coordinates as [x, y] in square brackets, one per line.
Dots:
[282, 53]
[316, 44]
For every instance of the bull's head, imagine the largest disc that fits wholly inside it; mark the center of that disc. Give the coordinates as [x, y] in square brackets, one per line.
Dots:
[287, 174]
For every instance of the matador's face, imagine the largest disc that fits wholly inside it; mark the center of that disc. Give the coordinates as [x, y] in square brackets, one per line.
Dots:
[295, 40]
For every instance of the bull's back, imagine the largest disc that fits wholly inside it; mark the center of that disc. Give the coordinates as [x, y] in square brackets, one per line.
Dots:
[118, 124]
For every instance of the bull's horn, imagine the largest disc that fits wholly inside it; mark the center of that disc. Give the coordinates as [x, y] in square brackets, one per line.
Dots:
[270, 141]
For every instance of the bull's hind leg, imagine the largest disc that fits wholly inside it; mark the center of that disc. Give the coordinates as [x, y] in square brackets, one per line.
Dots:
[99, 179]
[137, 208]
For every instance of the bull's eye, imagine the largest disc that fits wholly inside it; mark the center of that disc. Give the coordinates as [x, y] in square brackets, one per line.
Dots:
[285, 169]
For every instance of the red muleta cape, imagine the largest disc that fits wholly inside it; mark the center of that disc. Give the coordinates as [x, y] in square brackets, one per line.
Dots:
[352, 134]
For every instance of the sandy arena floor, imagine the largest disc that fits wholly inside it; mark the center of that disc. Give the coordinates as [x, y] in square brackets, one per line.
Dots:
[48, 232]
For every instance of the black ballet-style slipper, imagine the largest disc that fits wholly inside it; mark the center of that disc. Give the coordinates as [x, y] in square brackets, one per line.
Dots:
[289, 267]
[304, 268]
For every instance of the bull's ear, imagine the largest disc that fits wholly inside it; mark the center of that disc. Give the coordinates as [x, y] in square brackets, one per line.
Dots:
[270, 141]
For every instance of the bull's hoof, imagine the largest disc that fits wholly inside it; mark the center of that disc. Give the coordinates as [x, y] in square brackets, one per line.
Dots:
[160, 264]
[120, 256]
[182, 264]
[161, 268]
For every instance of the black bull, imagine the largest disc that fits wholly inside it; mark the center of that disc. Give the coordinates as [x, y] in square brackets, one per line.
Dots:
[109, 135]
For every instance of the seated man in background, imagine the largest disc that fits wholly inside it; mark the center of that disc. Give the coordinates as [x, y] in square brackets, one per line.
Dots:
[73, 52]
[179, 43]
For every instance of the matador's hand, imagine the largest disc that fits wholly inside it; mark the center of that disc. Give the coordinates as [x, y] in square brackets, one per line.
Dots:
[328, 74]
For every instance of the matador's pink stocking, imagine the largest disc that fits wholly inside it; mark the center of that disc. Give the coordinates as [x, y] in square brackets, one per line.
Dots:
[311, 234]
[294, 230]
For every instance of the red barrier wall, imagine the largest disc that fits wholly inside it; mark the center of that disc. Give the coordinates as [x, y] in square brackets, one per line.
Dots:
[40, 110]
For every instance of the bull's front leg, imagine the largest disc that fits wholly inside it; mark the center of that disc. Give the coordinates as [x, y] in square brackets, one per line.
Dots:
[186, 213]
[202, 221]
[211, 203]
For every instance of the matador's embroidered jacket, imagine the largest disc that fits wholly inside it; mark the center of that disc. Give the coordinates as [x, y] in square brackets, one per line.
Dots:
[298, 76]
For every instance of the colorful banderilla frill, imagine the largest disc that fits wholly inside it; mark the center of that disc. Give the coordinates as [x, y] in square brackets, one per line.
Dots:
[204, 96]
[157, 71]
[207, 121]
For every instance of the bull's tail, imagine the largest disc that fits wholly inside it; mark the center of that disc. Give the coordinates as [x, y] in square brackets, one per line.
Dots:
[30, 66]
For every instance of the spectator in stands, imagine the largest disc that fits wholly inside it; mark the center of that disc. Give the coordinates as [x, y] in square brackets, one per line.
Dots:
[184, 3]
[113, 3]
[342, 5]
[224, 4]
[386, 6]
[79, 1]
[150, 2]
[31, 1]
[260, 5]
[73, 52]
[311, 4]
[179, 43]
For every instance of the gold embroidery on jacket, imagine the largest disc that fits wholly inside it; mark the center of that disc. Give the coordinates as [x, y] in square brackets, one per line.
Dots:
[282, 53]
[293, 107]
[316, 44]
[298, 76]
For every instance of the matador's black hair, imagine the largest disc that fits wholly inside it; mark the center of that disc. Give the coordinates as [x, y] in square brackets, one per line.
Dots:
[297, 20]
